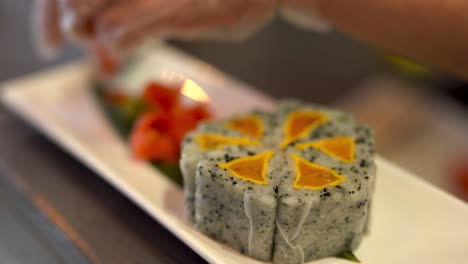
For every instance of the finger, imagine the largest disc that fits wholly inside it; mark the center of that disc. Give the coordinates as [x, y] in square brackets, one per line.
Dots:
[46, 30]
[116, 20]
[204, 18]
[78, 16]
[83, 8]
[199, 19]
[228, 14]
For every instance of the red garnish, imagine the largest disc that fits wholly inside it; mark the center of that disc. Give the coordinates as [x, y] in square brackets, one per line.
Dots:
[161, 123]
[107, 65]
[149, 139]
[161, 96]
[187, 119]
[157, 133]
[199, 112]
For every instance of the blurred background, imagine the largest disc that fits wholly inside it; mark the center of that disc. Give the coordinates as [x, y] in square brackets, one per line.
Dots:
[420, 116]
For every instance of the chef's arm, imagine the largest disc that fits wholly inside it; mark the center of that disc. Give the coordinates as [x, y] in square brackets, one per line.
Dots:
[430, 31]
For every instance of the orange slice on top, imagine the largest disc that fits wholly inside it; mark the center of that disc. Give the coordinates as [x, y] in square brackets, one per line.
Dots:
[252, 168]
[341, 148]
[310, 175]
[300, 123]
[212, 141]
[247, 125]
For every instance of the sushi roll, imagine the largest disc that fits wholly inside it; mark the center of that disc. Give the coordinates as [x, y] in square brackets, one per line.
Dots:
[289, 187]
[238, 131]
[324, 197]
[236, 200]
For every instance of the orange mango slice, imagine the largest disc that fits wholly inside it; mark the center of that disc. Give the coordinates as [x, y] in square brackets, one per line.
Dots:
[341, 148]
[300, 123]
[251, 168]
[212, 141]
[310, 175]
[247, 125]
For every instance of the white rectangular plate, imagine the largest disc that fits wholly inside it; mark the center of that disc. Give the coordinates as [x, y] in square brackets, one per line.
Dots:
[412, 221]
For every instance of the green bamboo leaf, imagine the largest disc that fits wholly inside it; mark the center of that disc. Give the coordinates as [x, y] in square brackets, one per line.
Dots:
[348, 255]
[122, 117]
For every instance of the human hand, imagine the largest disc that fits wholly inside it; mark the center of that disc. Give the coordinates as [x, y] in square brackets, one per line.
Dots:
[119, 24]
[429, 31]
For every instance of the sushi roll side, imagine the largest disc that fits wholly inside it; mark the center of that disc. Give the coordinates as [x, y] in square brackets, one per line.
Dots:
[238, 212]
[193, 151]
[321, 222]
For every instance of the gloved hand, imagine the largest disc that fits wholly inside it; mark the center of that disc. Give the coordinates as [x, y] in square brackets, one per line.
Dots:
[118, 24]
